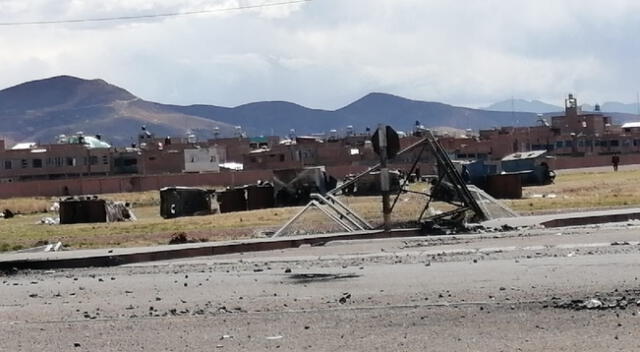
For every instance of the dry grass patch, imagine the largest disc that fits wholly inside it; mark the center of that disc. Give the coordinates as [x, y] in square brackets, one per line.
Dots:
[573, 191]
[150, 229]
[27, 205]
[582, 190]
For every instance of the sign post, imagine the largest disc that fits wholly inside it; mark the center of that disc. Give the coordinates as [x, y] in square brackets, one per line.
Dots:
[384, 175]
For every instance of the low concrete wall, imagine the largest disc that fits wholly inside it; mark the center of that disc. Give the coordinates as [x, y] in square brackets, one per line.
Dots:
[137, 183]
[568, 162]
[122, 184]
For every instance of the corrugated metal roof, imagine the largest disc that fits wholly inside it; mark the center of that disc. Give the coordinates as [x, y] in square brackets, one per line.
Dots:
[525, 155]
[631, 125]
[232, 166]
[89, 141]
[24, 145]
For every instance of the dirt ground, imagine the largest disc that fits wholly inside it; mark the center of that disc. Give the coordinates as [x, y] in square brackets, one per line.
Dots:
[598, 188]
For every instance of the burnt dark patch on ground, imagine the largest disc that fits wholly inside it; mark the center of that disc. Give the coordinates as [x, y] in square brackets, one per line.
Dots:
[320, 277]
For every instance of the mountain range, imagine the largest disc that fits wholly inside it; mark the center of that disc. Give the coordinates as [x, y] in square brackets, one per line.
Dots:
[540, 107]
[43, 109]
[535, 106]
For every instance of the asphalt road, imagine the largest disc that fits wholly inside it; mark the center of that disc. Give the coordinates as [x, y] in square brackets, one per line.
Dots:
[528, 291]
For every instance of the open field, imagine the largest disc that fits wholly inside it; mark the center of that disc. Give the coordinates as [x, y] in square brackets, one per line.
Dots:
[571, 191]
[582, 190]
[25, 230]
[43, 204]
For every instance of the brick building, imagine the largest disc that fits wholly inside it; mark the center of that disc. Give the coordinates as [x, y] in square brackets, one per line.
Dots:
[74, 156]
[574, 134]
[576, 138]
[312, 151]
[177, 155]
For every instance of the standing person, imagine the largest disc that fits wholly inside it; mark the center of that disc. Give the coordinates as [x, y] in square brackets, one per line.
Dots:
[615, 160]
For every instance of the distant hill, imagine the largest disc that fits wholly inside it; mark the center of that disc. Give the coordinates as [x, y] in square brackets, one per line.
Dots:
[41, 110]
[279, 117]
[522, 105]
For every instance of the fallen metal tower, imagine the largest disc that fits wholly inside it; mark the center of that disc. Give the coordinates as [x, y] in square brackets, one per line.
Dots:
[447, 186]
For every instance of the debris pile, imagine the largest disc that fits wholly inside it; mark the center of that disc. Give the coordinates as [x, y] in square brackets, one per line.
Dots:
[369, 184]
[448, 186]
[294, 187]
[182, 238]
[346, 296]
[48, 220]
[43, 246]
[613, 300]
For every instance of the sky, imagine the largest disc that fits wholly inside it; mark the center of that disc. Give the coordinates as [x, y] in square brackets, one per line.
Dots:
[328, 53]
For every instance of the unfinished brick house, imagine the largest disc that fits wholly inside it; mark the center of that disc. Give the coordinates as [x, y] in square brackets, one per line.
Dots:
[74, 156]
[574, 134]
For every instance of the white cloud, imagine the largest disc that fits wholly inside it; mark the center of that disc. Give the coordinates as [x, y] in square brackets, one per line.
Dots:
[326, 53]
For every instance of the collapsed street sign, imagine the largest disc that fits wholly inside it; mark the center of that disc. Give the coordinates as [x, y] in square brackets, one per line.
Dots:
[393, 142]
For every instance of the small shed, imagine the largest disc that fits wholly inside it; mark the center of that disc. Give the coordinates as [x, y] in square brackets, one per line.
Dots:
[533, 167]
[232, 199]
[185, 201]
[82, 210]
[88, 209]
[260, 196]
[504, 186]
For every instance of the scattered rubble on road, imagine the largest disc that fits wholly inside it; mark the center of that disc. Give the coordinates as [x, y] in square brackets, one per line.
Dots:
[612, 300]
[344, 298]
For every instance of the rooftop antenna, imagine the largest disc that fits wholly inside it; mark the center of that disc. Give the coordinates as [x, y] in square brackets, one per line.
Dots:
[237, 131]
[638, 103]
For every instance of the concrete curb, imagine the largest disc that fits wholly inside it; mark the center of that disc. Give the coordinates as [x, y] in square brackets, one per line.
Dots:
[567, 219]
[121, 256]
[591, 220]
[106, 258]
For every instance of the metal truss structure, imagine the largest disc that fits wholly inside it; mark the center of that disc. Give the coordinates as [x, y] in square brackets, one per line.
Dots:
[448, 186]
